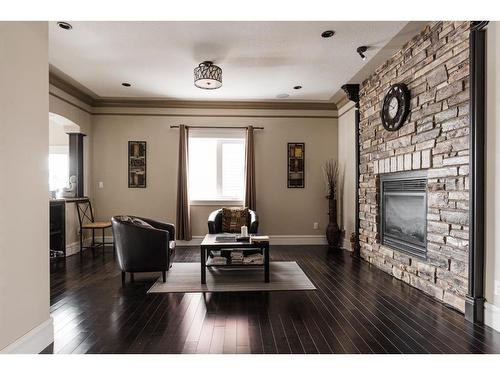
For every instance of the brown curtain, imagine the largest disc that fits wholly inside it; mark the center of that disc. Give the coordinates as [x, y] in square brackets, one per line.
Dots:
[183, 229]
[250, 200]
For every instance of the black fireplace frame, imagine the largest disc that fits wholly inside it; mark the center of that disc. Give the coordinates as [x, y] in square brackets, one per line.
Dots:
[393, 242]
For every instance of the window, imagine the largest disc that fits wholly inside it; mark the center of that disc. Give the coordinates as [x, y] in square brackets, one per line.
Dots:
[216, 165]
[58, 167]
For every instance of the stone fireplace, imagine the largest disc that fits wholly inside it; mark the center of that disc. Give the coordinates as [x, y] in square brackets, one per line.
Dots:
[417, 228]
[403, 212]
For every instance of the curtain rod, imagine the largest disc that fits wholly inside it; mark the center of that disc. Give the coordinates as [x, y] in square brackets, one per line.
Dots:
[216, 127]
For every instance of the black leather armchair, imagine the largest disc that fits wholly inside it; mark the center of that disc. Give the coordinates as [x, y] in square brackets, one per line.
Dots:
[141, 248]
[215, 222]
[215, 226]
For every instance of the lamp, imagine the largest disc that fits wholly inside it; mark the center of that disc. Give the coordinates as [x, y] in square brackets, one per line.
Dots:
[207, 76]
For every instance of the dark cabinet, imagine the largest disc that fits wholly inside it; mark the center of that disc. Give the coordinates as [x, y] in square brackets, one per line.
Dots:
[57, 229]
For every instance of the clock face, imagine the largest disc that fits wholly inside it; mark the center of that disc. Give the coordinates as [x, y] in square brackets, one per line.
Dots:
[396, 107]
[393, 107]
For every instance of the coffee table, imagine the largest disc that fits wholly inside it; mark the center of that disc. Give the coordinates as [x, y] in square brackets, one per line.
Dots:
[210, 244]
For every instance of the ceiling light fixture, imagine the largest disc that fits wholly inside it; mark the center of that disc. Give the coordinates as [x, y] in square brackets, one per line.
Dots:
[361, 51]
[298, 87]
[207, 76]
[126, 84]
[64, 25]
[327, 34]
[282, 96]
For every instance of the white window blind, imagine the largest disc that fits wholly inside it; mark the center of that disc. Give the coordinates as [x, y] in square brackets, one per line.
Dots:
[216, 165]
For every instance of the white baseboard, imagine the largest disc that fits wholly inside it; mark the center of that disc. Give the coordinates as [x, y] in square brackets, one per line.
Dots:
[74, 247]
[346, 244]
[298, 240]
[195, 241]
[492, 316]
[273, 240]
[34, 341]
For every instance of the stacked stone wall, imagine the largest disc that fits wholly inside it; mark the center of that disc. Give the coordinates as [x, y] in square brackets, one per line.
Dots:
[435, 67]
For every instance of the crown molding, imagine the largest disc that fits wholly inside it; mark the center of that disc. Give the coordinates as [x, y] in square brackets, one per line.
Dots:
[342, 102]
[100, 102]
[147, 112]
[70, 89]
[209, 104]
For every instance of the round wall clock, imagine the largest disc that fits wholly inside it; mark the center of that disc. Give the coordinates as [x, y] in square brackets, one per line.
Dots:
[396, 107]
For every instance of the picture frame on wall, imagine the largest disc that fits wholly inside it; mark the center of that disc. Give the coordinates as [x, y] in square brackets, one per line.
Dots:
[296, 165]
[136, 164]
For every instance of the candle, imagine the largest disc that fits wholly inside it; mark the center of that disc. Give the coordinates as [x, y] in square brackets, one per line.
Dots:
[244, 231]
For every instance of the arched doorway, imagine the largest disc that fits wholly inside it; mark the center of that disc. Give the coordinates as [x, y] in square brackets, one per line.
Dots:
[63, 217]
[59, 127]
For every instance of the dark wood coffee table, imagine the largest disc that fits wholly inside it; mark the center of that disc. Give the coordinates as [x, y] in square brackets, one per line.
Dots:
[209, 244]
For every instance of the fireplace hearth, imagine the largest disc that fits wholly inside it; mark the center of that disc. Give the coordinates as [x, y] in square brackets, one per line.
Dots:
[403, 212]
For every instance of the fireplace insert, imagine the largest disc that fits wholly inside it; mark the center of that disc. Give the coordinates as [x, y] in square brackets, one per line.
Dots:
[403, 212]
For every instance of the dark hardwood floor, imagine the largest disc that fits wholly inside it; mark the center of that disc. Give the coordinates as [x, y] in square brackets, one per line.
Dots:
[355, 309]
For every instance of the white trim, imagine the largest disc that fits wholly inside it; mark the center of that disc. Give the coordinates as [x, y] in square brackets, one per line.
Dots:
[273, 240]
[208, 132]
[298, 240]
[492, 316]
[74, 247]
[313, 239]
[345, 108]
[195, 241]
[225, 203]
[346, 244]
[34, 341]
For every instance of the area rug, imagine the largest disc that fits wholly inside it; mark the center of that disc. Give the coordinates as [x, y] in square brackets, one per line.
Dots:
[185, 277]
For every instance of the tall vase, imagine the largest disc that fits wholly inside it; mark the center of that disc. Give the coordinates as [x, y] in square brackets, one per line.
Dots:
[332, 230]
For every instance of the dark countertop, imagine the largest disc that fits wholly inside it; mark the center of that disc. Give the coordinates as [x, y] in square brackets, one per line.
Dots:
[68, 200]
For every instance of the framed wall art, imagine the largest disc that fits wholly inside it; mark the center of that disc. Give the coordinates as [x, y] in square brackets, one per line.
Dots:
[136, 164]
[296, 167]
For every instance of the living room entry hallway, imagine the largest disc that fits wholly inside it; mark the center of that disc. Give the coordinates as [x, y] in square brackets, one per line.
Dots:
[251, 179]
[356, 308]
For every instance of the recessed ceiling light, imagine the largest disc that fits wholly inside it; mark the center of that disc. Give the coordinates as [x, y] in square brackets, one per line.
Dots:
[282, 96]
[327, 34]
[126, 84]
[298, 87]
[64, 25]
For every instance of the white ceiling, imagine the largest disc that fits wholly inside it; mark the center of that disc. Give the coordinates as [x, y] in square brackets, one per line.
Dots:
[259, 59]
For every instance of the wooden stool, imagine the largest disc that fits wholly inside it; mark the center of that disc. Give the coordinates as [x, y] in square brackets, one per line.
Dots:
[86, 220]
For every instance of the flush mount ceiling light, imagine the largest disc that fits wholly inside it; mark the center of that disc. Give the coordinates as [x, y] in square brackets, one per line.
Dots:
[126, 84]
[298, 87]
[282, 96]
[361, 51]
[327, 34]
[64, 25]
[207, 76]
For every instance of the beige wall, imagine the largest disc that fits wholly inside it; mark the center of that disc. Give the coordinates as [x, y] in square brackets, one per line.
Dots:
[24, 144]
[57, 135]
[493, 166]
[78, 113]
[74, 112]
[282, 211]
[347, 170]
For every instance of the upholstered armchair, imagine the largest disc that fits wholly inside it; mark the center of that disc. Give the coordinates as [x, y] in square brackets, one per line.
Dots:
[143, 245]
[215, 226]
[215, 222]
